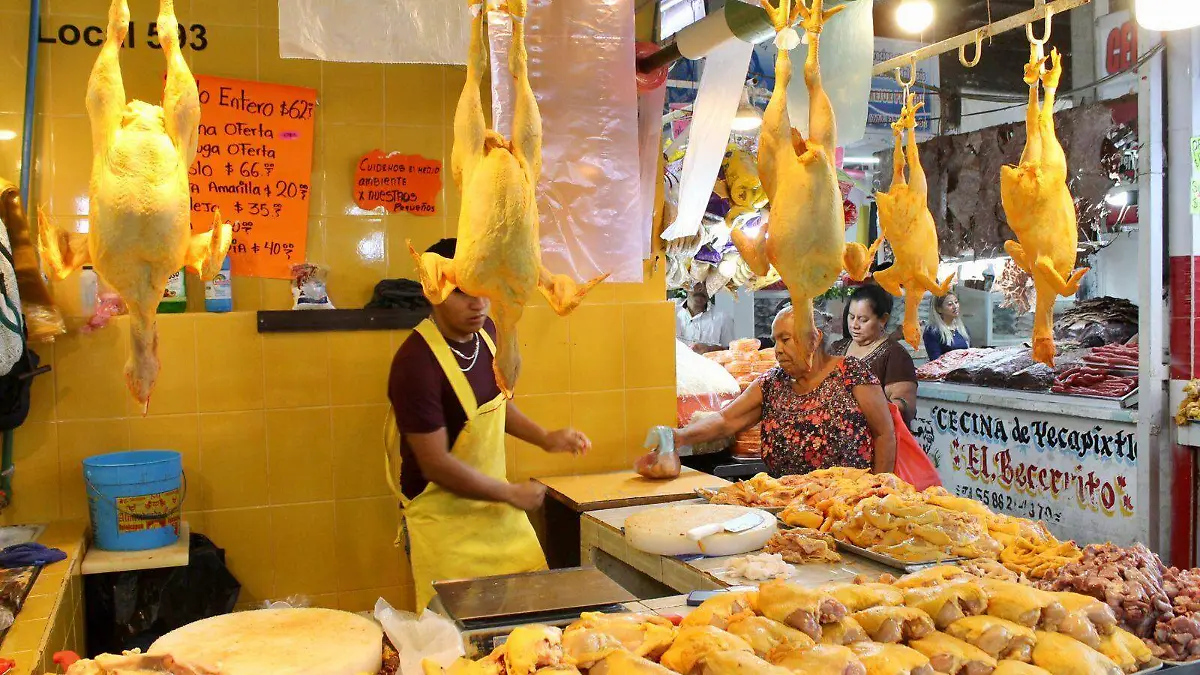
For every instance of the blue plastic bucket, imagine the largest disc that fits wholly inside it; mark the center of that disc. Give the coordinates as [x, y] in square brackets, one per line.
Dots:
[135, 498]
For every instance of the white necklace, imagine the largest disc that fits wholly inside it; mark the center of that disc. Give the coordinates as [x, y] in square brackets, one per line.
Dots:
[472, 358]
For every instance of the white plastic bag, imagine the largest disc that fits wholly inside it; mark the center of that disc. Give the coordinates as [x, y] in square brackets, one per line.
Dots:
[429, 637]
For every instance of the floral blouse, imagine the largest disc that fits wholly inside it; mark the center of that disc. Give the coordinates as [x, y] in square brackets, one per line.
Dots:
[821, 429]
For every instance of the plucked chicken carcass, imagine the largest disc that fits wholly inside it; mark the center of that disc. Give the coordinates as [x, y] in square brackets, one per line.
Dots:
[134, 663]
[532, 648]
[881, 659]
[1039, 208]
[857, 597]
[1023, 604]
[933, 576]
[953, 656]
[641, 634]
[764, 635]
[139, 230]
[697, 642]
[825, 659]
[1062, 655]
[721, 609]
[498, 255]
[1000, 638]
[1126, 650]
[894, 624]
[949, 602]
[804, 238]
[1087, 618]
[905, 221]
[624, 663]
[801, 608]
[738, 663]
[1010, 667]
[843, 632]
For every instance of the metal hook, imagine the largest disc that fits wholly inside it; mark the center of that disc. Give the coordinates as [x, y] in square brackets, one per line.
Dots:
[1029, 26]
[912, 74]
[962, 51]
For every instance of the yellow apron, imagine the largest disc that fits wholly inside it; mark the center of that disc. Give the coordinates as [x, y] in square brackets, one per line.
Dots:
[451, 537]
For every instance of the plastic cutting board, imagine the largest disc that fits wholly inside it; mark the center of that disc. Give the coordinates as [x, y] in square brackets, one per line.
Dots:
[663, 530]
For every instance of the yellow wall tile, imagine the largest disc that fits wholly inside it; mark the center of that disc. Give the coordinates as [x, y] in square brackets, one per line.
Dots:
[601, 415]
[300, 455]
[232, 51]
[545, 352]
[276, 70]
[352, 93]
[76, 442]
[175, 389]
[415, 95]
[356, 250]
[35, 476]
[229, 362]
[296, 368]
[364, 601]
[366, 529]
[359, 364]
[358, 451]
[233, 457]
[180, 433]
[41, 392]
[533, 462]
[645, 409]
[304, 549]
[649, 344]
[245, 534]
[89, 372]
[224, 12]
[345, 144]
[597, 348]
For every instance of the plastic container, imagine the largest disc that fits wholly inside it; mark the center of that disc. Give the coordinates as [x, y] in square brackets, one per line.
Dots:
[218, 293]
[135, 498]
[175, 296]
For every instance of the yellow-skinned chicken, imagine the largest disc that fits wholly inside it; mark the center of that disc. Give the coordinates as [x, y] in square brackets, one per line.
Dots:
[139, 215]
[1062, 655]
[953, 656]
[720, 610]
[949, 602]
[764, 635]
[642, 634]
[624, 663]
[825, 659]
[894, 624]
[498, 255]
[1039, 207]
[843, 632]
[801, 608]
[804, 238]
[696, 643]
[1126, 650]
[889, 659]
[857, 597]
[905, 220]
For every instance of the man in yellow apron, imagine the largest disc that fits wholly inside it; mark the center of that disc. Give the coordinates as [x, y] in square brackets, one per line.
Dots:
[463, 518]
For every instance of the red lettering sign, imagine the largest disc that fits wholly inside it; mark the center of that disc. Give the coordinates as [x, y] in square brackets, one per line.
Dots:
[398, 183]
[1120, 48]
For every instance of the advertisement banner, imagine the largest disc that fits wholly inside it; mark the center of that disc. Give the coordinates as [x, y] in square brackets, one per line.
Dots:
[883, 106]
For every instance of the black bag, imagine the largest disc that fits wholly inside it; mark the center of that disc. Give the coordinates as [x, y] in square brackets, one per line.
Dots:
[399, 294]
[14, 390]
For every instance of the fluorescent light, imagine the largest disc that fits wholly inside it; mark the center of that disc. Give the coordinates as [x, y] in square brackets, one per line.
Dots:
[860, 160]
[748, 118]
[914, 16]
[7, 134]
[1165, 15]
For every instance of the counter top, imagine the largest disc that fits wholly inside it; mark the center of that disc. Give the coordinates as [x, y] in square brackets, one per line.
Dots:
[1031, 401]
[625, 488]
[51, 619]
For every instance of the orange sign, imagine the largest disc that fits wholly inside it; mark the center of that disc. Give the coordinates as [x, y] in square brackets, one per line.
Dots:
[253, 163]
[398, 183]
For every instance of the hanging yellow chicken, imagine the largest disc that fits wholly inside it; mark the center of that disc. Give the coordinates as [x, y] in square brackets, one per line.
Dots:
[498, 255]
[139, 216]
[905, 221]
[804, 238]
[1039, 208]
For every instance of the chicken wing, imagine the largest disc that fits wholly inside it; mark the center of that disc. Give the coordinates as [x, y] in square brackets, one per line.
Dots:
[857, 597]
[823, 659]
[1062, 655]
[1126, 650]
[720, 609]
[894, 624]
[764, 635]
[1023, 604]
[844, 632]
[1039, 207]
[889, 659]
[695, 643]
[949, 602]
[624, 663]
[805, 237]
[498, 255]
[1000, 638]
[952, 656]
[801, 608]
[642, 634]
[905, 221]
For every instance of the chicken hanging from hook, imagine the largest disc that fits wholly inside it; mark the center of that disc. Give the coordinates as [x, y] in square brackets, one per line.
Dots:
[805, 236]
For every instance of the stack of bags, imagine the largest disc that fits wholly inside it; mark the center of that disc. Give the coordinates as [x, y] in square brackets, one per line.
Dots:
[746, 362]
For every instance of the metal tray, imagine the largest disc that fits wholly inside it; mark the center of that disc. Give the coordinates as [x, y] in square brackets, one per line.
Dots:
[708, 494]
[893, 562]
[1127, 401]
[1150, 669]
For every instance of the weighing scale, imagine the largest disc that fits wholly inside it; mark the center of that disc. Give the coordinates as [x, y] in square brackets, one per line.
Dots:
[487, 609]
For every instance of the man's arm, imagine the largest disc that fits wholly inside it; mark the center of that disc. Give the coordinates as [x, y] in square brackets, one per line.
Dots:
[449, 472]
[518, 425]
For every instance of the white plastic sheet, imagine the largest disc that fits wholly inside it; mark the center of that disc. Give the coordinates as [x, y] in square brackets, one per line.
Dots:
[581, 65]
[717, 100]
[428, 637]
[650, 126]
[374, 31]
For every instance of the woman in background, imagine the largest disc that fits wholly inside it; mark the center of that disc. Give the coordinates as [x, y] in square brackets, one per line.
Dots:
[945, 331]
[864, 327]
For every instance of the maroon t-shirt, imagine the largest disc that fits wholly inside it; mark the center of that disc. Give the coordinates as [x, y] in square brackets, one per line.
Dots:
[424, 401]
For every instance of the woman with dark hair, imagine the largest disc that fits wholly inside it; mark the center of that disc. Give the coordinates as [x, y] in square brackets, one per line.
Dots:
[864, 326]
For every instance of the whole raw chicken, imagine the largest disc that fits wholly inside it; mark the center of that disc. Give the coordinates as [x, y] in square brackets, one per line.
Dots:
[134, 663]
[140, 207]
[498, 255]
[1040, 209]
[905, 221]
[804, 238]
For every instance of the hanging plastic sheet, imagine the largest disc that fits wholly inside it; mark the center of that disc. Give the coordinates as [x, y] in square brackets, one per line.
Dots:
[374, 31]
[721, 83]
[650, 126]
[589, 193]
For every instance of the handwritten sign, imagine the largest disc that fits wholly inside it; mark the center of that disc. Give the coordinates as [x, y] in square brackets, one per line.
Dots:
[253, 164]
[1078, 475]
[398, 183]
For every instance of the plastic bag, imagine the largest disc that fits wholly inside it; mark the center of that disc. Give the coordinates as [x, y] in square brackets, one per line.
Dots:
[428, 637]
[308, 287]
[662, 462]
[290, 602]
[108, 305]
[912, 464]
[128, 610]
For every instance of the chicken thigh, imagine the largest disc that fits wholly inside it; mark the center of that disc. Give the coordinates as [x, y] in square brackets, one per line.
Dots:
[139, 218]
[949, 602]
[1062, 655]
[498, 255]
[805, 237]
[1000, 638]
[953, 656]
[764, 635]
[801, 608]
[894, 624]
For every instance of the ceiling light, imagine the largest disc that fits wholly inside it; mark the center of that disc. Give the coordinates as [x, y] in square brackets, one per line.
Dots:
[914, 16]
[748, 118]
[7, 134]
[1165, 15]
[861, 160]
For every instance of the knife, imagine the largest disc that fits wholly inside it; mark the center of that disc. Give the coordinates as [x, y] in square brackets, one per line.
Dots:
[742, 523]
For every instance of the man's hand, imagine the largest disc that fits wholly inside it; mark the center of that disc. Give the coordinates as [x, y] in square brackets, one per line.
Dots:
[527, 496]
[567, 440]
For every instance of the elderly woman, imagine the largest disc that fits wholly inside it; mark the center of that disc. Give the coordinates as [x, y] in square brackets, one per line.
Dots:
[832, 414]
[864, 326]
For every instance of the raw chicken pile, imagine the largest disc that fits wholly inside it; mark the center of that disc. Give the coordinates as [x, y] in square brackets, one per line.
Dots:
[1130, 580]
[761, 567]
[1179, 636]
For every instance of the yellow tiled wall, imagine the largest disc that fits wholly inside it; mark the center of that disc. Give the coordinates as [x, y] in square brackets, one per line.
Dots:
[281, 434]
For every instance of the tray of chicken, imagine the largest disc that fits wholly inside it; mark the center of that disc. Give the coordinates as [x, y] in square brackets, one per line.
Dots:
[893, 562]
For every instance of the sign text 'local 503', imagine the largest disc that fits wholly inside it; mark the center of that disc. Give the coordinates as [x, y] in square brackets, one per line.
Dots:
[191, 36]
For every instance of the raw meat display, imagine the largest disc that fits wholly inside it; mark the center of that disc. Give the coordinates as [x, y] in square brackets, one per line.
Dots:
[1179, 636]
[803, 546]
[1098, 322]
[1113, 356]
[1093, 381]
[938, 369]
[1016, 286]
[1129, 580]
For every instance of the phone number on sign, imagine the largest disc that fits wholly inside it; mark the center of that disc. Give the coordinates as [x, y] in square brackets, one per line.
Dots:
[998, 501]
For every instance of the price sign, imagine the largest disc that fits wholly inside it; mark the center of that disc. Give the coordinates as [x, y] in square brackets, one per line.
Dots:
[253, 163]
[398, 183]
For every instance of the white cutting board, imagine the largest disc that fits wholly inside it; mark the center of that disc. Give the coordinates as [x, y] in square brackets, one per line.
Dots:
[663, 530]
[280, 642]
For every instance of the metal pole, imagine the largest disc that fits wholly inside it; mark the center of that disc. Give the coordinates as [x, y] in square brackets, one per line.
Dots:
[35, 17]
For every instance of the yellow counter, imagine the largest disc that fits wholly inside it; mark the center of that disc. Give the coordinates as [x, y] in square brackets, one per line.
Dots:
[52, 619]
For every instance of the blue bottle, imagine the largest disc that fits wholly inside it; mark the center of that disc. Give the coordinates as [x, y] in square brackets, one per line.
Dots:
[218, 293]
